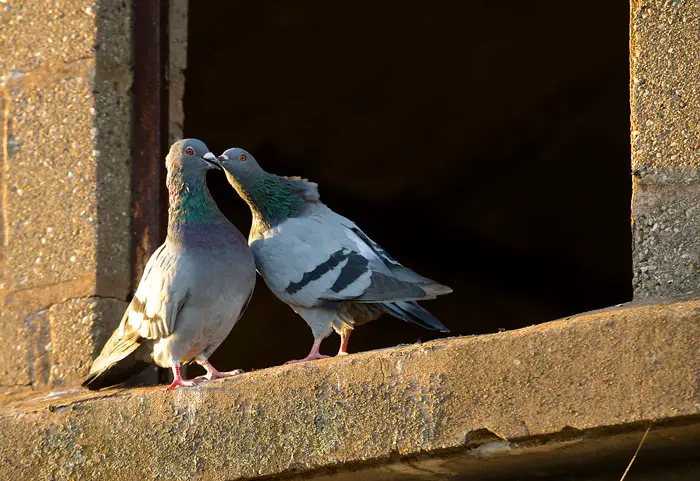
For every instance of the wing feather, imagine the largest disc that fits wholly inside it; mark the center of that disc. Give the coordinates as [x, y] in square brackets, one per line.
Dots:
[324, 259]
[158, 299]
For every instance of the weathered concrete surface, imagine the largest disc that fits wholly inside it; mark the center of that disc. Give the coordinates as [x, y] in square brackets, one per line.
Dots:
[665, 118]
[63, 336]
[561, 380]
[65, 123]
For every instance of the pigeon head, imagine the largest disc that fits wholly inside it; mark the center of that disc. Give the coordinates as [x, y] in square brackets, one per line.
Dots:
[239, 164]
[190, 202]
[271, 198]
[190, 155]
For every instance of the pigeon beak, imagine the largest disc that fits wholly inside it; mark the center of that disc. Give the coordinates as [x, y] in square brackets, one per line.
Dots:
[211, 159]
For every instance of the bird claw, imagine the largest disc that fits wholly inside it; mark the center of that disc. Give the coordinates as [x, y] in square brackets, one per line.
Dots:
[181, 383]
[235, 372]
[310, 357]
[218, 375]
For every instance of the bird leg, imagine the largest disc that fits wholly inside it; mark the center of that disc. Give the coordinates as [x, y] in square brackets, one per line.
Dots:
[344, 338]
[213, 373]
[178, 381]
[314, 354]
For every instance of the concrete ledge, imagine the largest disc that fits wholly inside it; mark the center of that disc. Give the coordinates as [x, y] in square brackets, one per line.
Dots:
[607, 372]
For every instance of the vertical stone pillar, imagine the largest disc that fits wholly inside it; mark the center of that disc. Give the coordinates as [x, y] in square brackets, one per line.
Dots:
[65, 130]
[665, 118]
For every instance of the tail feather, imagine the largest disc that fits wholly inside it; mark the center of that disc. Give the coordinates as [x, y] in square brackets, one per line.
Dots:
[430, 286]
[115, 373]
[413, 313]
[118, 361]
[435, 289]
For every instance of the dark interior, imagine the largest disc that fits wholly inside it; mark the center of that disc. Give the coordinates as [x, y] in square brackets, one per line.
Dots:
[483, 144]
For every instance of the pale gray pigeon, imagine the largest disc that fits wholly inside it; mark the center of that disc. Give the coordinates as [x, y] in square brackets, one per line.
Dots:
[320, 263]
[194, 288]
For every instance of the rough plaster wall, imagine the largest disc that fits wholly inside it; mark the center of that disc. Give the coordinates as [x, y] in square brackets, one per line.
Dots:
[65, 77]
[665, 109]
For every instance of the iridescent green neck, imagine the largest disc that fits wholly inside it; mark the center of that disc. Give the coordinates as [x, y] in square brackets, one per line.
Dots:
[271, 198]
[190, 202]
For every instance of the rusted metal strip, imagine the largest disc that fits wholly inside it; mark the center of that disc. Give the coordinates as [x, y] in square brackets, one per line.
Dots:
[150, 97]
[149, 140]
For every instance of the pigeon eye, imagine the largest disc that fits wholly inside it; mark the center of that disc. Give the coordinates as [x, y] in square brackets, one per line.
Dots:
[243, 158]
[189, 150]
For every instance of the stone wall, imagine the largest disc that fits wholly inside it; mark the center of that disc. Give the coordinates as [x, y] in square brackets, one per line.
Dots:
[665, 117]
[65, 125]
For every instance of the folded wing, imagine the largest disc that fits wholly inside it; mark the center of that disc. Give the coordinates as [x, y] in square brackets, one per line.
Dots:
[151, 315]
[322, 260]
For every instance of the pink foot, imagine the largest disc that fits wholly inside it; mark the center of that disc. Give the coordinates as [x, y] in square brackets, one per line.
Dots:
[181, 383]
[311, 357]
[178, 381]
[213, 373]
[314, 354]
[218, 375]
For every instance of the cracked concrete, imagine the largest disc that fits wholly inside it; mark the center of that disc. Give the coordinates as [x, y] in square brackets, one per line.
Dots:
[446, 408]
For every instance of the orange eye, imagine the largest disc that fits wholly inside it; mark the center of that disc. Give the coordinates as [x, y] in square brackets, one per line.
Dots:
[243, 158]
[189, 150]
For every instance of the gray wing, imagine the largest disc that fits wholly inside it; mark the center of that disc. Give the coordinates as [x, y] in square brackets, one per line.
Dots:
[397, 270]
[151, 313]
[159, 297]
[324, 259]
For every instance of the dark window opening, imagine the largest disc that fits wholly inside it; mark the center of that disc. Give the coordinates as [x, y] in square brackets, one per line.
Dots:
[483, 144]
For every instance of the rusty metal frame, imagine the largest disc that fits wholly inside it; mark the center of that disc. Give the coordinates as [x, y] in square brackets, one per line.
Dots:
[150, 131]
[149, 137]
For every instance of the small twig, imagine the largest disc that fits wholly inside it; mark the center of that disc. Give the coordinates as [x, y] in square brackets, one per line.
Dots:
[637, 451]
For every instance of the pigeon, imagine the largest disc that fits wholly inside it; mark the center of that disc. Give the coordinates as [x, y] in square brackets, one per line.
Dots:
[194, 288]
[320, 263]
